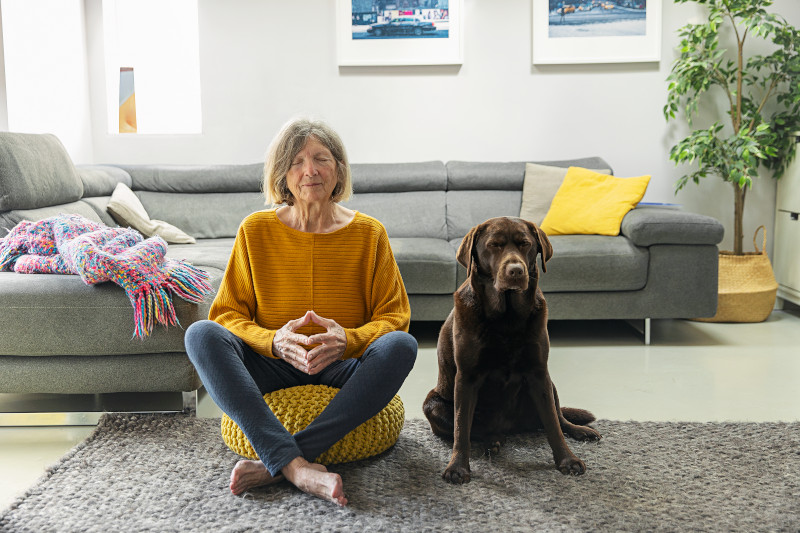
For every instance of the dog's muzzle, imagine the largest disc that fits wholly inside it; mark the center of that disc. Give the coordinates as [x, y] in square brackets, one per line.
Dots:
[512, 276]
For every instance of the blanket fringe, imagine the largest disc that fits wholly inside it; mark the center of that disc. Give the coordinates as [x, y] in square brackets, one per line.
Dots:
[152, 302]
[187, 281]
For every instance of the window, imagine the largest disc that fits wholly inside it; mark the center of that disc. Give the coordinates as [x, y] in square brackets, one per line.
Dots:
[46, 82]
[159, 41]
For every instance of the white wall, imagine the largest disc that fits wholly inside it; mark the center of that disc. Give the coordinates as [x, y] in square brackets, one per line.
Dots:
[264, 61]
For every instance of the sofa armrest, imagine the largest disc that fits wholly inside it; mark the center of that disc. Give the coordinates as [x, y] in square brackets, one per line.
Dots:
[646, 226]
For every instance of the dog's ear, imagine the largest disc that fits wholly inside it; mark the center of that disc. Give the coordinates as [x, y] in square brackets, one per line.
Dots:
[467, 247]
[545, 247]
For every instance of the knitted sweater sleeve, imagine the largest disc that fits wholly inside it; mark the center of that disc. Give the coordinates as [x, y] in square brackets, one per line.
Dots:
[389, 301]
[235, 304]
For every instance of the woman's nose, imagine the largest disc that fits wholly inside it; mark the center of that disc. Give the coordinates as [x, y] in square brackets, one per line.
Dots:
[309, 168]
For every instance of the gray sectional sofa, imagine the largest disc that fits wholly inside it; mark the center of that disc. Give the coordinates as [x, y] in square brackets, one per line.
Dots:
[58, 335]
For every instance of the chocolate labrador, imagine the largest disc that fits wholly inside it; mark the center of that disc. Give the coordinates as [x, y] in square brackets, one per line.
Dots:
[493, 348]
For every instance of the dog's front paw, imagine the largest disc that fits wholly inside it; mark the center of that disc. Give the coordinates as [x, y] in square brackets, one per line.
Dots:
[571, 465]
[456, 475]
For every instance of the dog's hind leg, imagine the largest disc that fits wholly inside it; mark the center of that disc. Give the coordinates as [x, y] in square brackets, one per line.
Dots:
[573, 421]
[580, 417]
[439, 413]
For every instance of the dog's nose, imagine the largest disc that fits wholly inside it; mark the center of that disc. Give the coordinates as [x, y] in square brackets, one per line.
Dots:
[515, 270]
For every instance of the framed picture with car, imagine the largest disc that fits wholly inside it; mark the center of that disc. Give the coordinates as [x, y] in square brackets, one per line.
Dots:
[596, 31]
[376, 32]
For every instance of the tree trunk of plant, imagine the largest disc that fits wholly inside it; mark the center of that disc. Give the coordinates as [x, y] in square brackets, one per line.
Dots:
[738, 216]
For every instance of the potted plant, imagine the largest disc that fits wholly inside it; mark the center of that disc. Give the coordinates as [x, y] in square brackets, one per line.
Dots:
[761, 95]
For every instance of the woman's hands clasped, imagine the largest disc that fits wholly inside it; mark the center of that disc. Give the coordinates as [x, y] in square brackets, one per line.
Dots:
[330, 345]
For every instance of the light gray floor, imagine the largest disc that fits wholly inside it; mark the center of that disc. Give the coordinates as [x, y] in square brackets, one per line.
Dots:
[691, 372]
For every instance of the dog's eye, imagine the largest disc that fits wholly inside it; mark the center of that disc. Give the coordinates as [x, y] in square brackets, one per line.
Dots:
[524, 244]
[493, 244]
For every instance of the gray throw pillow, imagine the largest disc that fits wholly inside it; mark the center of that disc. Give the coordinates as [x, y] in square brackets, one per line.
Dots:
[127, 210]
[540, 187]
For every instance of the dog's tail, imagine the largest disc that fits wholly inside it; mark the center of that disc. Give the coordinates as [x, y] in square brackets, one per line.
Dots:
[580, 417]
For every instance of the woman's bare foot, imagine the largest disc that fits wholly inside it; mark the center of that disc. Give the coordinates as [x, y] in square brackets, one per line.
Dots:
[314, 479]
[249, 474]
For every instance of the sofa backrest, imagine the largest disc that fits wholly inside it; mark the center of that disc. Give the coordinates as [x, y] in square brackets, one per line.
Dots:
[37, 180]
[408, 198]
[477, 191]
[35, 171]
[205, 201]
[427, 199]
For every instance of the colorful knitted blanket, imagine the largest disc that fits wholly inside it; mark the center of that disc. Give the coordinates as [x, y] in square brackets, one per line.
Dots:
[71, 244]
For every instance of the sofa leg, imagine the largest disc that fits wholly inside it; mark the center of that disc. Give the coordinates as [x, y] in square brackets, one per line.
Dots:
[644, 329]
[190, 402]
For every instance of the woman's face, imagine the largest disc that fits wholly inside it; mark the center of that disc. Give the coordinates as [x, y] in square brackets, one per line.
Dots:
[312, 176]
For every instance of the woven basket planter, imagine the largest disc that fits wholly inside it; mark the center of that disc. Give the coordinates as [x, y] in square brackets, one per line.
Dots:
[747, 286]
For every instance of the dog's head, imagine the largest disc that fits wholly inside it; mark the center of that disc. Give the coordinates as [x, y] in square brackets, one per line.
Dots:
[504, 249]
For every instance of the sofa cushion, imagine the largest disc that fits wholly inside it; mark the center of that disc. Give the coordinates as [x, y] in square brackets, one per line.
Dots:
[595, 263]
[588, 263]
[405, 214]
[196, 178]
[53, 314]
[205, 253]
[204, 216]
[35, 171]
[101, 180]
[392, 177]
[96, 375]
[428, 266]
[126, 209]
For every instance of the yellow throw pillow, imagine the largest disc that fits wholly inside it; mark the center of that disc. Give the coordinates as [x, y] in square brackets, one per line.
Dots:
[589, 203]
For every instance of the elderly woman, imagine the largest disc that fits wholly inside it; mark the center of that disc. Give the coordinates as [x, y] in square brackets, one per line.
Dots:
[311, 295]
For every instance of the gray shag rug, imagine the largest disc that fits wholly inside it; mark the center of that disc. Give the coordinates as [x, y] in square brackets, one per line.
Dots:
[170, 473]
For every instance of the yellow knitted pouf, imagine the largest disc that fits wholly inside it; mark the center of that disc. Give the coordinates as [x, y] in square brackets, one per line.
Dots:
[297, 406]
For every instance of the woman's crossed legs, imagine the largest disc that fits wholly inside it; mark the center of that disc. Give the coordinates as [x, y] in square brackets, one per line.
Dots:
[236, 377]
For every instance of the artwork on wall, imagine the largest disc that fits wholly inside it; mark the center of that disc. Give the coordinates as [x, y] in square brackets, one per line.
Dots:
[381, 32]
[596, 31]
[127, 101]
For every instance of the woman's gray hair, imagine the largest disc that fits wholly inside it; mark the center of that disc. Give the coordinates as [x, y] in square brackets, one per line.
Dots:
[284, 148]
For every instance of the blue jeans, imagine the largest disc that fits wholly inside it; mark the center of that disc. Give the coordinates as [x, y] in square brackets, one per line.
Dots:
[236, 377]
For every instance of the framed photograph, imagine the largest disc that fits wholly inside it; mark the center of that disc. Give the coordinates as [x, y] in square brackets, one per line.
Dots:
[596, 31]
[385, 32]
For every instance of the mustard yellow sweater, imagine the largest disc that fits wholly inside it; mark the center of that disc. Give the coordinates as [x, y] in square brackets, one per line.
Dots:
[276, 274]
